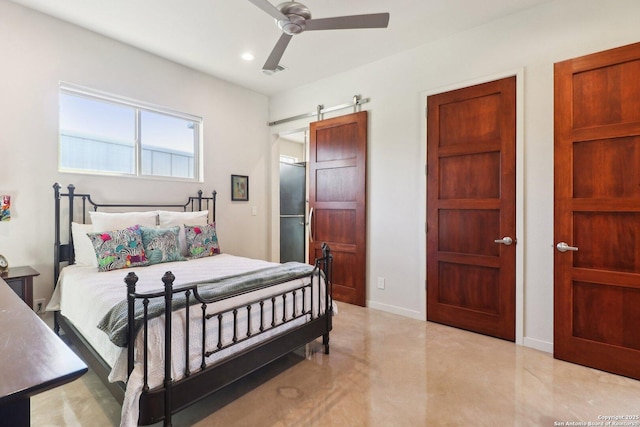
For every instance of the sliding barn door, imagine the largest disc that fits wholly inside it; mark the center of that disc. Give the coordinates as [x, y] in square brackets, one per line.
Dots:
[597, 211]
[337, 201]
[471, 208]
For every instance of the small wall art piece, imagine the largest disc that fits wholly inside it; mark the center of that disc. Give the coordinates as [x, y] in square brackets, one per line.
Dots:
[5, 208]
[239, 188]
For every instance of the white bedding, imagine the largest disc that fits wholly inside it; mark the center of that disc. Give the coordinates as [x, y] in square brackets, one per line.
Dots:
[84, 296]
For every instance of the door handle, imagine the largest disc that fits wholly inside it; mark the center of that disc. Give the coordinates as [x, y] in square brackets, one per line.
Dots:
[309, 224]
[563, 247]
[507, 241]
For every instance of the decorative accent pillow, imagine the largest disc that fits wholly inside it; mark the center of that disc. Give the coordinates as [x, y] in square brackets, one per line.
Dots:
[82, 246]
[119, 249]
[161, 244]
[171, 218]
[202, 240]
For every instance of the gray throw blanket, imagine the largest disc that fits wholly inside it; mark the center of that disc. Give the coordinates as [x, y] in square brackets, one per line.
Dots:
[114, 323]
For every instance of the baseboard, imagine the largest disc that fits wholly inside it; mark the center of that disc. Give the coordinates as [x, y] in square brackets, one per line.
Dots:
[396, 310]
[538, 345]
[545, 346]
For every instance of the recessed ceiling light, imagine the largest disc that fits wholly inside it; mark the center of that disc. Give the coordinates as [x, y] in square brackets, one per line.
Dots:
[248, 56]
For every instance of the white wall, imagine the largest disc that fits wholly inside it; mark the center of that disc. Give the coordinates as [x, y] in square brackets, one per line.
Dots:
[531, 41]
[292, 149]
[37, 53]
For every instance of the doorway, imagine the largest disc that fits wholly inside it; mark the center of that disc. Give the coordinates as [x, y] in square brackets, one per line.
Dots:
[291, 203]
[471, 208]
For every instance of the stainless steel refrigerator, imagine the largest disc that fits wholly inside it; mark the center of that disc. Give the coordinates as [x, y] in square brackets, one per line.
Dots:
[292, 212]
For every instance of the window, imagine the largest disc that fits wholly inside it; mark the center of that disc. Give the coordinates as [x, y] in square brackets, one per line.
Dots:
[107, 134]
[288, 159]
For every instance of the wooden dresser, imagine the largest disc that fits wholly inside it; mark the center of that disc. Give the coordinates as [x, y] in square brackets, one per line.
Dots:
[33, 359]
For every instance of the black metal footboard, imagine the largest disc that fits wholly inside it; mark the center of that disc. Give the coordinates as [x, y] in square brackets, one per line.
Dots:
[310, 307]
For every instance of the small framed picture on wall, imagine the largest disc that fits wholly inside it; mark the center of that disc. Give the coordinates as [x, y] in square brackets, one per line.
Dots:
[239, 188]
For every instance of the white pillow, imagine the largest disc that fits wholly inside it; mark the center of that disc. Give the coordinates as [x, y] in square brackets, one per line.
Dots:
[82, 246]
[107, 221]
[172, 218]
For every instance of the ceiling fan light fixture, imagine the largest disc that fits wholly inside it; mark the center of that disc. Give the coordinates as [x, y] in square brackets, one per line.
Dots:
[295, 25]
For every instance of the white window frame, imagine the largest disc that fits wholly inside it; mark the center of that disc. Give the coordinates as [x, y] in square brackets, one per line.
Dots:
[288, 159]
[138, 106]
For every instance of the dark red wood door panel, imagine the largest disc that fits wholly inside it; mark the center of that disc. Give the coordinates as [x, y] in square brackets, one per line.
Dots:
[337, 195]
[597, 210]
[470, 205]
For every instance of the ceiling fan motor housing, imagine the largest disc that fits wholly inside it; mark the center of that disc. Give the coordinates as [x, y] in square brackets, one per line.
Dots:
[297, 14]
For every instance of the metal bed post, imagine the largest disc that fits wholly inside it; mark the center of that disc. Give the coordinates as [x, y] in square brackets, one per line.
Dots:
[214, 193]
[327, 267]
[56, 243]
[72, 190]
[131, 279]
[167, 279]
[56, 251]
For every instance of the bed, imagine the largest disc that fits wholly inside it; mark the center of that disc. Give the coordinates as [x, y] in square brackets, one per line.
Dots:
[230, 315]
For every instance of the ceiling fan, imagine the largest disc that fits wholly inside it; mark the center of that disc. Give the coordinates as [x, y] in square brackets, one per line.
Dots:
[294, 18]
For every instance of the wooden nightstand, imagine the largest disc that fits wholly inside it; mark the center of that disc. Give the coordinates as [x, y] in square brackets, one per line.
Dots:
[20, 279]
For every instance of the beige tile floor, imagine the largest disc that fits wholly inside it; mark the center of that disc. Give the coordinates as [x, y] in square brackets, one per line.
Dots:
[385, 370]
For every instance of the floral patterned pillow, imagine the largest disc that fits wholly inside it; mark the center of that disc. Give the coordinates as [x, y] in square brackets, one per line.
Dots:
[119, 249]
[202, 240]
[161, 244]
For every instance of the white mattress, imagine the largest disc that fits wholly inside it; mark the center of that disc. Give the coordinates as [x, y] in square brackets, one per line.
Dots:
[84, 295]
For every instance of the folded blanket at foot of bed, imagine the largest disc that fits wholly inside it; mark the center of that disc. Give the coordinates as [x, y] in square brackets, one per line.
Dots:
[114, 323]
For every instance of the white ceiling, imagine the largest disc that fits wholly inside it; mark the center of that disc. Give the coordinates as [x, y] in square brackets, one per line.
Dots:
[210, 35]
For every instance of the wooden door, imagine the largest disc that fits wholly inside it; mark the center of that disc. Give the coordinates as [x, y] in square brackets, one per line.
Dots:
[597, 211]
[337, 201]
[471, 204]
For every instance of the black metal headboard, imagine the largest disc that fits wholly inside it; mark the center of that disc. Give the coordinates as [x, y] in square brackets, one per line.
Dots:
[64, 252]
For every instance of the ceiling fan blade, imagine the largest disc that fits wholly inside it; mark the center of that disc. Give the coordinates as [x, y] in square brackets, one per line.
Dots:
[269, 8]
[276, 54]
[374, 20]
